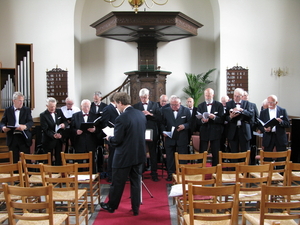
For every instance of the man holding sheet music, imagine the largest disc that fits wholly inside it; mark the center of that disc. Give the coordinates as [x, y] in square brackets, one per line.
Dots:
[152, 114]
[110, 113]
[175, 118]
[16, 123]
[130, 154]
[274, 135]
[85, 131]
[211, 126]
[53, 123]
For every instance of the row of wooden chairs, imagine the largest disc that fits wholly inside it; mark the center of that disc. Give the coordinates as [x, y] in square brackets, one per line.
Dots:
[36, 173]
[250, 189]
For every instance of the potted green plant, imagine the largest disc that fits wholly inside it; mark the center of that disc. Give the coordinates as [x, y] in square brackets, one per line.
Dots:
[197, 84]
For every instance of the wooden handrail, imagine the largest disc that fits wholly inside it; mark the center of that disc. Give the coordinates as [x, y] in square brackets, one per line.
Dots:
[126, 81]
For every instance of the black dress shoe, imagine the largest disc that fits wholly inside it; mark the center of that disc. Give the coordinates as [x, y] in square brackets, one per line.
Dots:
[155, 178]
[105, 206]
[169, 178]
[135, 213]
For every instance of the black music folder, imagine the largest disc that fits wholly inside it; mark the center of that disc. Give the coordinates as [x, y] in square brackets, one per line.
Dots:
[271, 123]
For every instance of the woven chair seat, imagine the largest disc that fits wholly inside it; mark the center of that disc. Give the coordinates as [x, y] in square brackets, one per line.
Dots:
[201, 222]
[58, 219]
[245, 196]
[3, 217]
[67, 195]
[254, 218]
[13, 197]
[38, 178]
[275, 176]
[188, 177]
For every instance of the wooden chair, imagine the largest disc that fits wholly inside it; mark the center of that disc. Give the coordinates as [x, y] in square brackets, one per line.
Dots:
[279, 206]
[187, 177]
[33, 175]
[28, 208]
[85, 176]
[68, 192]
[194, 162]
[250, 189]
[229, 162]
[218, 211]
[6, 158]
[280, 167]
[10, 174]
[293, 174]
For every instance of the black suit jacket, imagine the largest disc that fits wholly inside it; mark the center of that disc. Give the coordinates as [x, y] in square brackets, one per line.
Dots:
[100, 108]
[245, 118]
[48, 126]
[9, 119]
[129, 139]
[212, 130]
[168, 120]
[280, 129]
[87, 141]
[151, 120]
[194, 127]
[110, 114]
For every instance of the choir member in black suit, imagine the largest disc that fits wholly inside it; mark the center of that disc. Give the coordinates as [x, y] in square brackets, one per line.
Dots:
[153, 116]
[224, 146]
[274, 136]
[179, 117]
[163, 100]
[97, 108]
[16, 123]
[68, 110]
[109, 115]
[53, 123]
[85, 139]
[254, 125]
[193, 110]
[239, 114]
[211, 125]
[130, 154]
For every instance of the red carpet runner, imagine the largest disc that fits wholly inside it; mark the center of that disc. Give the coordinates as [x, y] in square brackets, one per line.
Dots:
[153, 210]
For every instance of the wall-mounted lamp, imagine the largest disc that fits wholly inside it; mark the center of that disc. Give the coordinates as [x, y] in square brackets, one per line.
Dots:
[279, 72]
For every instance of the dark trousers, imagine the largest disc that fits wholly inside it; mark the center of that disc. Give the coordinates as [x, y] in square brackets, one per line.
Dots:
[109, 161]
[170, 151]
[152, 147]
[119, 178]
[214, 147]
[270, 148]
[18, 145]
[56, 151]
[239, 142]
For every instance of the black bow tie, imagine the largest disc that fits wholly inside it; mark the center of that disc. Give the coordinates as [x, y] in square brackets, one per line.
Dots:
[175, 110]
[145, 103]
[69, 109]
[208, 104]
[238, 103]
[17, 109]
[85, 115]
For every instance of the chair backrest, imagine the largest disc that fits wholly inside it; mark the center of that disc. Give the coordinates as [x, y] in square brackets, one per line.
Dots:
[31, 164]
[11, 173]
[27, 206]
[84, 161]
[191, 174]
[293, 174]
[192, 160]
[232, 160]
[6, 158]
[268, 203]
[68, 178]
[219, 203]
[253, 183]
[281, 160]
